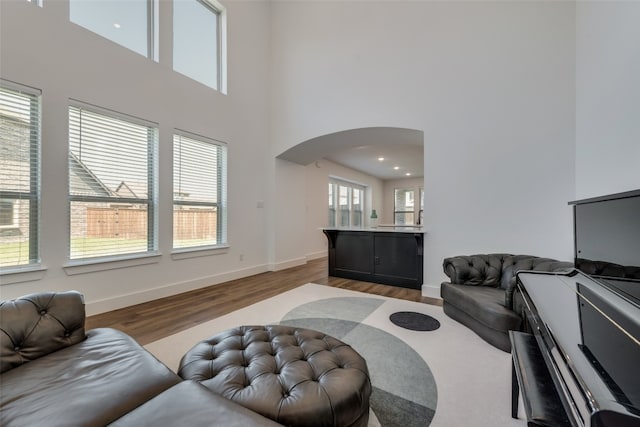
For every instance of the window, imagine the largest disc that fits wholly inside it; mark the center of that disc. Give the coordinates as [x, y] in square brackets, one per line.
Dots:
[111, 184]
[403, 211]
[19, 175]
[198, 41]
[199, 189]
[128, 23]
[346, 204]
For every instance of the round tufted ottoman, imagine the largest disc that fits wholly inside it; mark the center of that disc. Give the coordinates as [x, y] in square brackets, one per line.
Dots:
[297, 377]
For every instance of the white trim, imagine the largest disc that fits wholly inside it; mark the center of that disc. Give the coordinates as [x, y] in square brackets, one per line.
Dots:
[431, 291]
[317, 255]
[91, 265]
[28, 273]
[283, 265]
[196, 252]
[109, 304]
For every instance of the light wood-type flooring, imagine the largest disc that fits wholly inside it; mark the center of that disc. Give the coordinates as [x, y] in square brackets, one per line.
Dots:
[157, 319]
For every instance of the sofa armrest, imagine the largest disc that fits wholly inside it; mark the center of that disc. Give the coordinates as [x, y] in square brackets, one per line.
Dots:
[540, 264]
[38, 324]
[474, 270]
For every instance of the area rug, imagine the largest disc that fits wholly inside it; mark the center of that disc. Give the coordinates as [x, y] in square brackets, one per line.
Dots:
[442, 377]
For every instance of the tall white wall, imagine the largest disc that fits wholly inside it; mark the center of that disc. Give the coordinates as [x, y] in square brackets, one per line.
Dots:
[607, 97]
[41, 48]
[491, 84]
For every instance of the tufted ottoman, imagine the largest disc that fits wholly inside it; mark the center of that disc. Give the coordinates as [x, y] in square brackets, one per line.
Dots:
[297, 377]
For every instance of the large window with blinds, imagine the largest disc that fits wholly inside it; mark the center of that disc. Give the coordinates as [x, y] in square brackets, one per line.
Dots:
[199, 192]
[346, 204]
[19, 175]
[112, 184]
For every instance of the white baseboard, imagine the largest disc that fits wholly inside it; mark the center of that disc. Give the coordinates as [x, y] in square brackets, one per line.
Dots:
[316, 255]
[109, 304]
[283, 265]
[431, 291]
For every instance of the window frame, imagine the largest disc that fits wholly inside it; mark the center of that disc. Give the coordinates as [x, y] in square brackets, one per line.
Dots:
[152, 19]
[33, 196]
[152, 190]
[334, 212]
[403, 212]
[221, 191]
[220, 13]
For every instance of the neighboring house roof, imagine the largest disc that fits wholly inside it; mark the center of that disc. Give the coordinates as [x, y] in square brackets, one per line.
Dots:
[82, 182]
[136, 190]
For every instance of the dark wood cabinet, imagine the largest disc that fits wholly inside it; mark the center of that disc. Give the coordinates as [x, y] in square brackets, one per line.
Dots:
[387, 257]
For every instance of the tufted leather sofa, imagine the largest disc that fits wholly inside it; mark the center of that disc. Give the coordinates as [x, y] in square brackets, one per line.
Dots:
[54, 373]
[480, 293]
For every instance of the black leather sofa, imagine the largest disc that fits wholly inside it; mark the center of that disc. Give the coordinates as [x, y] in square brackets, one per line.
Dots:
[480, 293]
[53, 373]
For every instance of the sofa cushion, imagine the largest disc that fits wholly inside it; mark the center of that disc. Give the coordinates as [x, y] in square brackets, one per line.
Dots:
[483, 303]
[35, 325]
[191, 404]
[91, 383]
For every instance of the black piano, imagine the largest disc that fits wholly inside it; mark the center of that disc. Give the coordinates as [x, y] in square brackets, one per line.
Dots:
[577, 363]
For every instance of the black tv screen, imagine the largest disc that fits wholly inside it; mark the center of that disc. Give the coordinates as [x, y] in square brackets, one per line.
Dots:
[607, 240]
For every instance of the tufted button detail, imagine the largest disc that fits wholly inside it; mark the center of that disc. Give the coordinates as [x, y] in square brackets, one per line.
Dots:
[16, 348]
[67, 334]
[43, 312]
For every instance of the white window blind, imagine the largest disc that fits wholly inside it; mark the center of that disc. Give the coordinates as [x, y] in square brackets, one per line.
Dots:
[19, 175]
[346, 204]
[199, 189]
[111, 184]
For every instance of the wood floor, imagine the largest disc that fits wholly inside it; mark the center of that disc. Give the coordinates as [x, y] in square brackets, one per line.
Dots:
[157, 319]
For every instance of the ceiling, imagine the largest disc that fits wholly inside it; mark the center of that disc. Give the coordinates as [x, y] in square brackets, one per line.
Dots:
[360, 149]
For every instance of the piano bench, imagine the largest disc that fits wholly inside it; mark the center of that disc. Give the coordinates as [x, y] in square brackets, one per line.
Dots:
[531, 378]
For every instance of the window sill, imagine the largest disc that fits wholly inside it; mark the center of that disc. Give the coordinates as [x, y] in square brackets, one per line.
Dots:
[102, 264]
[29, 273]
[187, 253]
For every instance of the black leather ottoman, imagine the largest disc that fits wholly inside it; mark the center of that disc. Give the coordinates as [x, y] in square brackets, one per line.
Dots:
[296, 377]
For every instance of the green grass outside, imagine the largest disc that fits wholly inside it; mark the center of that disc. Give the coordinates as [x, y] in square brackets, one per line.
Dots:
[17, 253]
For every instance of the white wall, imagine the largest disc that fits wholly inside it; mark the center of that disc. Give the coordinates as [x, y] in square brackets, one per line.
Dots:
[491, 84]
[390, 186]
[42, 49]
[316, 192]
[607, 97]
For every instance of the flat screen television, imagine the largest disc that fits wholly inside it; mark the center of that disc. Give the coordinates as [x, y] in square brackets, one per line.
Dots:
[607, 241]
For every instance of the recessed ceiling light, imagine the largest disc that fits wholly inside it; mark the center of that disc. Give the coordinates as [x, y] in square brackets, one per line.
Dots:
[395, 168]
[381, 159]
[408, 174]
[116, 25]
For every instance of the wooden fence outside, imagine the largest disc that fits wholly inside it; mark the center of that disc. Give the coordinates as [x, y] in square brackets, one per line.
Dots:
[131, 223]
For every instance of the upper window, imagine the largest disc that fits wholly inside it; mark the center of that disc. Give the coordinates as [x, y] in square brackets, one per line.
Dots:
[19, 175]
[346, 204]
[111, 184]
[198, 41]
[199, 188]
[128, 23]
[403, 211]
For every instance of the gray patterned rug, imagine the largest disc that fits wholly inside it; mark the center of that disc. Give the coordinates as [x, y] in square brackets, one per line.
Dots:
[447, 377]
[404, 390]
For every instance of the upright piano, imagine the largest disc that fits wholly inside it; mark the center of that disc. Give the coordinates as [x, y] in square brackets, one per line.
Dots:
[579, 354]
[589, 337]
